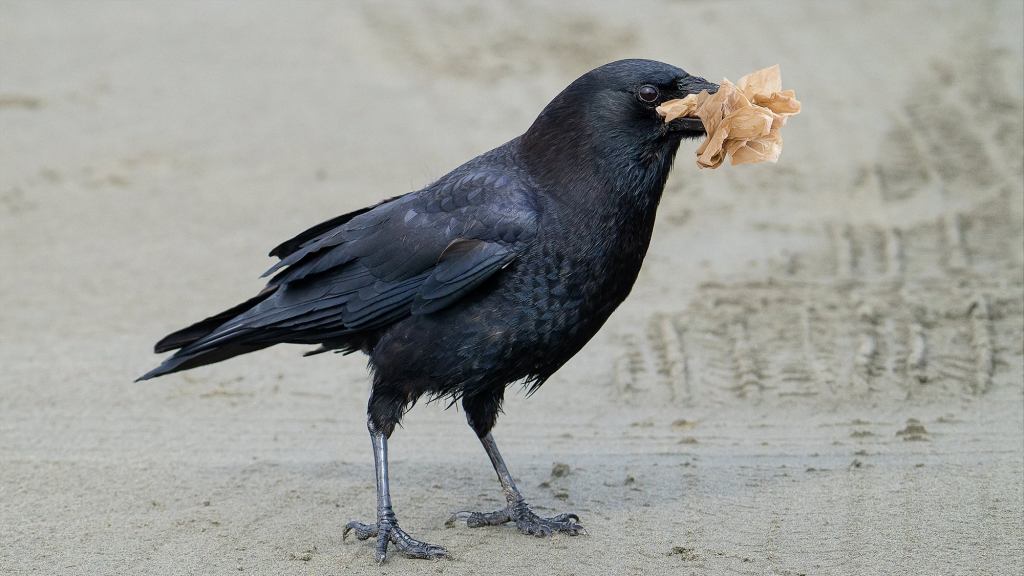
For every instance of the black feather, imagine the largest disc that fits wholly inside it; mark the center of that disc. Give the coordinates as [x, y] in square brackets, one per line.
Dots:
[292, 244]
[186, 336]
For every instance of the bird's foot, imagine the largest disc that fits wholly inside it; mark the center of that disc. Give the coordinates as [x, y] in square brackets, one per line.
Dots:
[387, 531]
[526, 521]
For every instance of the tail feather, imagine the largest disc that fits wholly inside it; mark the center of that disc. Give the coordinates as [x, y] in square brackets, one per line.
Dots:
[184, 359]
[199, 330]
[193, 351]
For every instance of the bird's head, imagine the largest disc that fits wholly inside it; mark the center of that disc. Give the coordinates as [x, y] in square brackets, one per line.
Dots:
[610, 113]
[624, 96]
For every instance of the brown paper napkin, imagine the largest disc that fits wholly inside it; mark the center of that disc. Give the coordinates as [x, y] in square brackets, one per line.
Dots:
[742, 120]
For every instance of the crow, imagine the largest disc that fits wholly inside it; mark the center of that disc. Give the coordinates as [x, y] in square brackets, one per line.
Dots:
[499, 272]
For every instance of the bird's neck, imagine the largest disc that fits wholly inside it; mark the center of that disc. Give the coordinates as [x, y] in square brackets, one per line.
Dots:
[602, 172]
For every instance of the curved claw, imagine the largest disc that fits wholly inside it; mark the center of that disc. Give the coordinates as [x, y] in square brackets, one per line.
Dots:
[456, 517]
[363, 531]
[461, 515]
[563, 518]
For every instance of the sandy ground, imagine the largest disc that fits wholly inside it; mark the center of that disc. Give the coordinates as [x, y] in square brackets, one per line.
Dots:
[819, 371]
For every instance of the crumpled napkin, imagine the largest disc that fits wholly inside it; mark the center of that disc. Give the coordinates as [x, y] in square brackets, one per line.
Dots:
[742, 120]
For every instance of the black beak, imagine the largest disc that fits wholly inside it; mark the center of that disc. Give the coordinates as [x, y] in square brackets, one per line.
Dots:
[692, 85]
[695, 84]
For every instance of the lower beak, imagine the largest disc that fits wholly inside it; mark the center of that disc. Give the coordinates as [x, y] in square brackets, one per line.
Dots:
[692, 85]
[687, 124]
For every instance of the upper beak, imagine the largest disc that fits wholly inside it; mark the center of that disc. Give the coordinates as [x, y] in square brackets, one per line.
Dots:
[692, 85]
[695, 84]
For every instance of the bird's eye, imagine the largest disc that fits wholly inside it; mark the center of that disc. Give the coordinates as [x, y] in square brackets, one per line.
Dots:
[647, 93]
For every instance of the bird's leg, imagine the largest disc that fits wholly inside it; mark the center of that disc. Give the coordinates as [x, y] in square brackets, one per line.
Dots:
[517, 510]
[386, 530]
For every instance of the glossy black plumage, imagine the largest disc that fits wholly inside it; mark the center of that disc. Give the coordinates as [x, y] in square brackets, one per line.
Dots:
[498, 272]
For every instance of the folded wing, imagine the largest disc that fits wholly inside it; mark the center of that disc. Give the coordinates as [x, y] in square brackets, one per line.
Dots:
[415, 254]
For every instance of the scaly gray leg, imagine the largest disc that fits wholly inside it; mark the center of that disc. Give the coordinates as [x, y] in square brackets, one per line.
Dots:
[386, 530]
[517, 510]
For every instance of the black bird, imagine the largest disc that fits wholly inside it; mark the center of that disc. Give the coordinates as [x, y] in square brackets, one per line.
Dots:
[498, 272]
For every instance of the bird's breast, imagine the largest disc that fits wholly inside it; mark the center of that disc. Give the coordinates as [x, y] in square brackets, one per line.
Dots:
[573, 279]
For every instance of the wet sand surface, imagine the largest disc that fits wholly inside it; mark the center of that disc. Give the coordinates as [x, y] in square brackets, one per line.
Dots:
[818, 372]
